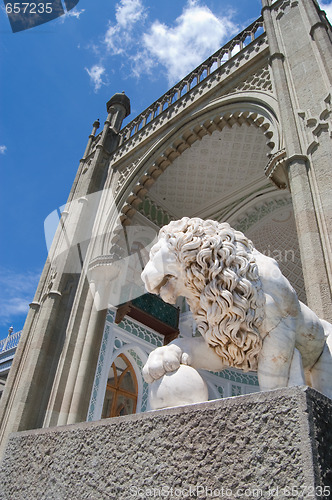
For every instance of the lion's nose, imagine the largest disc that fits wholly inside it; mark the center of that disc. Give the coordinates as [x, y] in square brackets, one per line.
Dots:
[152, 278]
[143, 275]
[148, 276]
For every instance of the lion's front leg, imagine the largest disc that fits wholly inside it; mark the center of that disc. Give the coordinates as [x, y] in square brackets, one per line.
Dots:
[279, 363]
[172, 381]
[172, 372]
[194, 352]
[161, 361]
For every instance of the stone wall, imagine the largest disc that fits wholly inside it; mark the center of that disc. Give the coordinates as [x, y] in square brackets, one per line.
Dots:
[275, 444]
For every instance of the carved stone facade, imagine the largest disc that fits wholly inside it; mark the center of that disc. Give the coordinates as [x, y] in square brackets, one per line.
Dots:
[246, 139]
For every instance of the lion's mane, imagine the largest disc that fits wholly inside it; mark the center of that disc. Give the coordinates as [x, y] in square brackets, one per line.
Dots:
[226, 296]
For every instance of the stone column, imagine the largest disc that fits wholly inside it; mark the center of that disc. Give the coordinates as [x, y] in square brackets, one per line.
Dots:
[314, 262]
[86, 371]
[287, 67]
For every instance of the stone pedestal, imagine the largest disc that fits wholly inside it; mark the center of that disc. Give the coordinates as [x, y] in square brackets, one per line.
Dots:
[275, 444]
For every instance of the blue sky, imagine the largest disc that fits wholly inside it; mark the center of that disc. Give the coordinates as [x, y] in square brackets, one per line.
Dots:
[56, 79]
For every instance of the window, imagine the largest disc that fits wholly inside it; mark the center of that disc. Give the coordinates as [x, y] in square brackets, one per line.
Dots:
[121, 390]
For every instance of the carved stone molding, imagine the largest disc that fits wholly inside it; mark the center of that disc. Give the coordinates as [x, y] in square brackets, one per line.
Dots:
[283, 7]
[257, 212]
[49, 285]
[154, 212]
[313, 126]
[123, 175]
[276, 169]
[260, 80]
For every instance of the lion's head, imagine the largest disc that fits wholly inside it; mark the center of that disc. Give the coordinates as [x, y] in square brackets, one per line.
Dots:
[212, 265]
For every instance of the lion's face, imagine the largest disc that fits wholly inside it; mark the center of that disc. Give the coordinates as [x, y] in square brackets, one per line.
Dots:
[163, 274]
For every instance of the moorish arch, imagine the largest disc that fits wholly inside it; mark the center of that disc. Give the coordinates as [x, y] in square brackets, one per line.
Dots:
[250, 111]
[255, 112]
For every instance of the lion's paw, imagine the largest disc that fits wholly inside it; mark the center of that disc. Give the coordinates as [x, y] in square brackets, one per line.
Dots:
[163, 360]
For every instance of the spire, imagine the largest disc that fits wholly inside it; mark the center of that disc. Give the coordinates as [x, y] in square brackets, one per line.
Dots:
[120, 99]
[118, 108]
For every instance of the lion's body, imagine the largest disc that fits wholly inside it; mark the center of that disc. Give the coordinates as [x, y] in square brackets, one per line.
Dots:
[246, 310]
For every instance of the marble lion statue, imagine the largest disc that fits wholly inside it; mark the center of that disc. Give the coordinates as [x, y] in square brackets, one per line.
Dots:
[248, 314]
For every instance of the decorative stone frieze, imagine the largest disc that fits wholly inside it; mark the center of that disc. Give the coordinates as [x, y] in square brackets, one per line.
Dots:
[123, 176]
[260, 80]
[257, 213]
[276, 169]
[313, 126]
[281, 8]
[154, 212]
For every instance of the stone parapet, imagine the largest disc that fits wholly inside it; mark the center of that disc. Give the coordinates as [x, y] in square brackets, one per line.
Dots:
[275, 444]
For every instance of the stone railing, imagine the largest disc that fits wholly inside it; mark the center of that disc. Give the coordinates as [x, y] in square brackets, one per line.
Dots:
[10, 342]
[213, 63]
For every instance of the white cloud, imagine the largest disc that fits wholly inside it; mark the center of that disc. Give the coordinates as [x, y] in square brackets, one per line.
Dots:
[146, 47]
[328, 9]
[197, 33]
[141, 63]
[118, 37]
[3, 149]
[16, 292]
[71, 13]
[95, 73]
[12, 307]
[74, 13]
[116, 40]
[128, 12]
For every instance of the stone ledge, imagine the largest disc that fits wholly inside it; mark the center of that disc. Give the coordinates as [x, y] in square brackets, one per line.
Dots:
[261, 444]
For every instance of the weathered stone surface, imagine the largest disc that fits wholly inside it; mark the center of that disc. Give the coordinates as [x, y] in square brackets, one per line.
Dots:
[274, 445]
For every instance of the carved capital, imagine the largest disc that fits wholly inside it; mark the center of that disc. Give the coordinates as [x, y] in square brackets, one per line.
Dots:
[102, 273]
[34, 305]
[277, 55]
[320, 24]
[297, 158]
[55, 294]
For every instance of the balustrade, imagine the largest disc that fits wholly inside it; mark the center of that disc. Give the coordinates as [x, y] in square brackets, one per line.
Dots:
[10, 342]
[198, 75]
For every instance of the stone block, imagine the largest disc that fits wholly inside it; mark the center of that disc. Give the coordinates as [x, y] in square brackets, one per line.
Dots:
[275, 444]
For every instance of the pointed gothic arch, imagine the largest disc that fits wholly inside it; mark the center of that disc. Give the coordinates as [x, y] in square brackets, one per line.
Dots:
[134, 181]
[219, 114]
